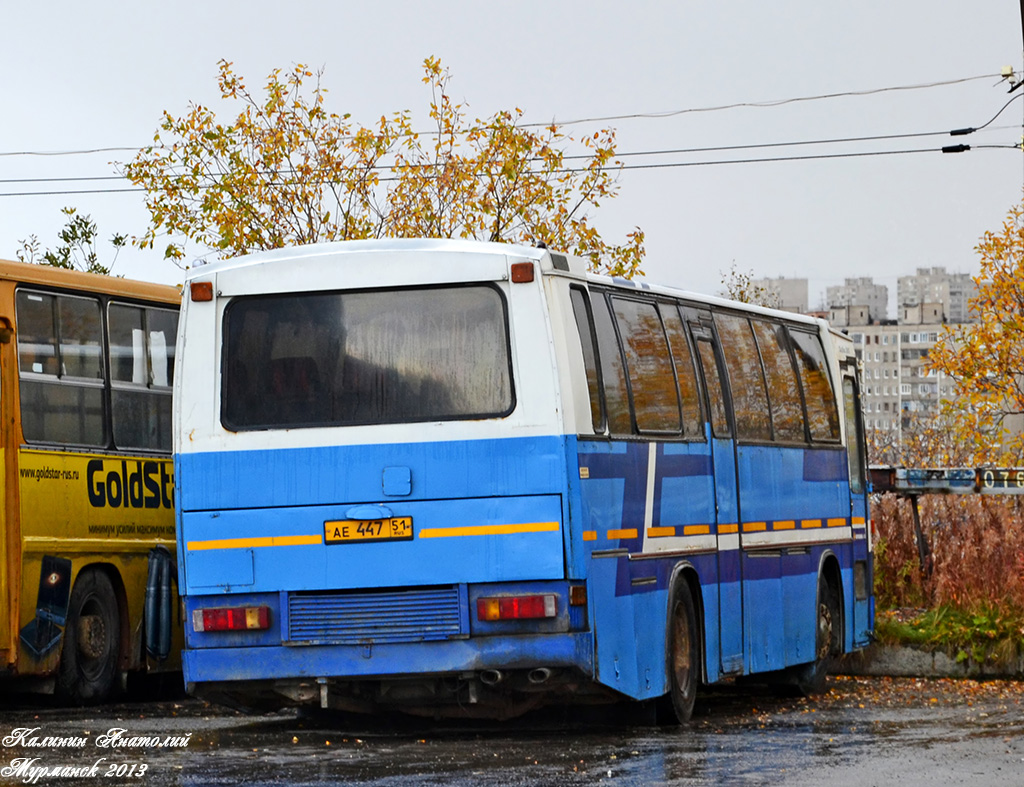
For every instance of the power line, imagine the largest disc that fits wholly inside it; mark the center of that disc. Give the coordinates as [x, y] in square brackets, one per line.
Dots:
[633, 116]
[829, 141]
[626, 166]
[766, 104]
[70, 152]
[631, 154]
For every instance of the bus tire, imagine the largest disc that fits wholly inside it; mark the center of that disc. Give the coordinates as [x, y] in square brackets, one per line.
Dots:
[683, 662]
[90, 653]
[827, 627]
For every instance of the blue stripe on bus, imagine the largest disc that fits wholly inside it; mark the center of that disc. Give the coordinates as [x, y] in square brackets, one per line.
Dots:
[608, 463]
[335, 474]
[758, 565]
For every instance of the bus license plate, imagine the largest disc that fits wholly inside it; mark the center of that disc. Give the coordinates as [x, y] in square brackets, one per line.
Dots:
[397, 528]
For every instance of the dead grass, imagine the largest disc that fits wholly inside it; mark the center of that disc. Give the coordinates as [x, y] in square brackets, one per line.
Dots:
[975, 551]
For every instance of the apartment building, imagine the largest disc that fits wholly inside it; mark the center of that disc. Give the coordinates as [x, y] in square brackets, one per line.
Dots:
[861, 292]
[935, 285]
[791, 294]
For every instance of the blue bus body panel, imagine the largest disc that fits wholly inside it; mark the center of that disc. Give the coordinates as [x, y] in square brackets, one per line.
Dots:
[274, 478]
[860, 610]
[436, 559]
[632, 490]
[501, 521]
[426, 658]
[789, 490]
[759, 601]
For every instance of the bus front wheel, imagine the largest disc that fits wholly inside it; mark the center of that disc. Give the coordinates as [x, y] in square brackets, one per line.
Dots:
[683, 666]
[90, 652]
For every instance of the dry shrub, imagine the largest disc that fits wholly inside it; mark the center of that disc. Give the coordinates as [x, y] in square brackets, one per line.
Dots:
[975, 547]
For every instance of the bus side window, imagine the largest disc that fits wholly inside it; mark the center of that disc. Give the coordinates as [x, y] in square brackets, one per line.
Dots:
[584, 325]
[746, 378]
[822, 416]
[713, 385]
[652, 382]
[616, 395]
[683, 359]
[853, 432]
[60, 341]
[141, 347]
[783, 399]
[37, 334]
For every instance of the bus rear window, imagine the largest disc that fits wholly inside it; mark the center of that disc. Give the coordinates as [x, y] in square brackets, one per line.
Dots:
[383, 356]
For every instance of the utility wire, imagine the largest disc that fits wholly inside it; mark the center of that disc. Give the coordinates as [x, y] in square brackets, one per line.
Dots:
[830, 141]
[637, 153]
[764, 104]
[662, 165]
[634, 116]
[624, 166]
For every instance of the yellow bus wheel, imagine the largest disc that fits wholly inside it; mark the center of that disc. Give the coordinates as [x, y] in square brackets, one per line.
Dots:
[90, 652]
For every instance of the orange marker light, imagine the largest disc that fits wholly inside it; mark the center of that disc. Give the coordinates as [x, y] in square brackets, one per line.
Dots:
[522, 272]
[201, 290]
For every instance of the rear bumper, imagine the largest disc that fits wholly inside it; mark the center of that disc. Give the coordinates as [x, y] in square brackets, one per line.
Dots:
[423, 659]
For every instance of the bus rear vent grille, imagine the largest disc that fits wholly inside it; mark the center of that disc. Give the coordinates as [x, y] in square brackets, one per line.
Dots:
[365, 618]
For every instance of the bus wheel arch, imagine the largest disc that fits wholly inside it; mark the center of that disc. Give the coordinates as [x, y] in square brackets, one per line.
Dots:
[828, 627]
[684, 647]
[93, 647]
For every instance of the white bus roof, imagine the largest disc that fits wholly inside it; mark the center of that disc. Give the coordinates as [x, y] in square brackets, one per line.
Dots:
[577, 266]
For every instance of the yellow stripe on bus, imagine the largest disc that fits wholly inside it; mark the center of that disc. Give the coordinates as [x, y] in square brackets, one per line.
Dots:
[837, 523]
[590, 535]
[688, 530]
[810, 523]
[242, 543]
[754, 527]
[627, 533]
[726, 529]
[789, 524]
[488, 530]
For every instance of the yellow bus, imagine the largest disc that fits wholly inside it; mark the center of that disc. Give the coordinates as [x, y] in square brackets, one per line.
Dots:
[87, 583]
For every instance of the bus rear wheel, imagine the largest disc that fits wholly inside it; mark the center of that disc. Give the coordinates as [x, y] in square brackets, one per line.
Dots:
[811, 678]
[683, 666]
[91, 649]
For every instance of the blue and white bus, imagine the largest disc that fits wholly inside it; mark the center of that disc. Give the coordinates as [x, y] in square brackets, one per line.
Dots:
[447, 476]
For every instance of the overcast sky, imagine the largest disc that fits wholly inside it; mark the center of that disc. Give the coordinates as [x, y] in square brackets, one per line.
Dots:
[79, 76]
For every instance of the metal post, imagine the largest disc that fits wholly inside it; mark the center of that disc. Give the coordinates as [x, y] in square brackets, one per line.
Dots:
[922, 546]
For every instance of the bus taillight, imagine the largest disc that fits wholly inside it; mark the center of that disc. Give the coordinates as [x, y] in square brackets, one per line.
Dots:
[517, 607]
[231, 619]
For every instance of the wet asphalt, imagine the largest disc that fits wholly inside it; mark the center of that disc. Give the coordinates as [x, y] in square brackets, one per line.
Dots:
[866, 731]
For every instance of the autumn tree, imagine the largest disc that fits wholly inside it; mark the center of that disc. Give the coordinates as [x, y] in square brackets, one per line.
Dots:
[77, 249]
[287, 171]
[985, 359]
[923, 440]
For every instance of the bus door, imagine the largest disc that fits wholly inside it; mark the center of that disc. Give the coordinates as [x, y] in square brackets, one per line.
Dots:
[730, 597]
[862, 569]
[10, 545]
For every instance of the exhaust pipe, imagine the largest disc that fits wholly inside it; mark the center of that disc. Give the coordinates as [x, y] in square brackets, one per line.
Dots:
[492, 677]
[539, 675]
